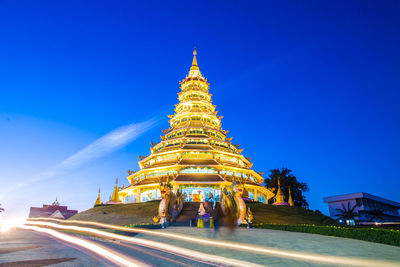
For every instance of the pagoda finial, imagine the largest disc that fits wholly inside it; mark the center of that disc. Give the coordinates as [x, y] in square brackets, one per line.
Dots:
[279, 197]
[98, 200]
[194, 69]
[194, 62]
[55, 203]
[290, 201]
[115, 195]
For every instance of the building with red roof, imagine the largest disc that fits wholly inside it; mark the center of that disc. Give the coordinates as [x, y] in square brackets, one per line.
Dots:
[54, 210]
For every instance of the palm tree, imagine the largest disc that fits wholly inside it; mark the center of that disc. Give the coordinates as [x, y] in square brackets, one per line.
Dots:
[1, 209]
[347, 213]
[376, 214]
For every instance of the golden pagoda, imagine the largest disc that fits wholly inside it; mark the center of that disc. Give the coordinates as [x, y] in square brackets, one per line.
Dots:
[194, 154]
[98, 200]
[280, 197]
[114, 199]
[290, 201]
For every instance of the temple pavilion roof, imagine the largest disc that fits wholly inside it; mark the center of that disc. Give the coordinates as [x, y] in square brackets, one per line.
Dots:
[203, 178]
[194, 149]
[197, 147]
[198, 162]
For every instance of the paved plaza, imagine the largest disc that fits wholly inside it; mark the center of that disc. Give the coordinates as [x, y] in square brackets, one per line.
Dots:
[27, 248]
[302, 242]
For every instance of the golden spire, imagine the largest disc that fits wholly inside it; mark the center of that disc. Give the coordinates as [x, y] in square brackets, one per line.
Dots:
[194, 69]
[98, 200]
[279, 197]
[115, 196]
[290, 201]
[194, 62]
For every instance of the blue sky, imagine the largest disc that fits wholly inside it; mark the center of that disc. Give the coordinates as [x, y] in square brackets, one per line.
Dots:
[312, 86]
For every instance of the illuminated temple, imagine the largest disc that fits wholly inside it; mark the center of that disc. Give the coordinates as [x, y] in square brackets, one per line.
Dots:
[194, 154]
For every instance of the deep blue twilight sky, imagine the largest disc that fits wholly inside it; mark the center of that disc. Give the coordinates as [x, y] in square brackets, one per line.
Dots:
[309, 85]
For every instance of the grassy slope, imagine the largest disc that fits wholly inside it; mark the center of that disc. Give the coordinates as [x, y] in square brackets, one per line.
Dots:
[124, 214]
[286, 215]
[139, 213]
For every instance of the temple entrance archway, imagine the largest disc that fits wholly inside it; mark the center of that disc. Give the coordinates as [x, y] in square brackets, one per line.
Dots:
[200, 193]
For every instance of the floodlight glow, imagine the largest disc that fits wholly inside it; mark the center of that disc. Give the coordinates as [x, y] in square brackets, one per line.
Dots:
[8, 224]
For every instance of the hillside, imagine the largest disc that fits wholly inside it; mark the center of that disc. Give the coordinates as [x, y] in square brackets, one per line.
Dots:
[143, 213]
[123, 214]
[286, 215]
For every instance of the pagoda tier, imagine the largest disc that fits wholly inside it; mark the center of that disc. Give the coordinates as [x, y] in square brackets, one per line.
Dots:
[195, 150]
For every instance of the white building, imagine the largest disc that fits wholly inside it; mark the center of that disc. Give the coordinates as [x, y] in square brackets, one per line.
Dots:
[364, 202]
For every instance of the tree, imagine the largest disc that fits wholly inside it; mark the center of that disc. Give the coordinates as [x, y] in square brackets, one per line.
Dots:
[376, 214]
[288, 179]
[1, 209]
[347, 213]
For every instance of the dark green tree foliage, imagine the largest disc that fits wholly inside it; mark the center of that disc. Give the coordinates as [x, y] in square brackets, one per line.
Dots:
[376, 214]
[347, 213]
[287, 179]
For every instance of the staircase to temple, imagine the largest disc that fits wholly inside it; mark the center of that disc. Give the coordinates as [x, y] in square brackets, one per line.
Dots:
[189, 211]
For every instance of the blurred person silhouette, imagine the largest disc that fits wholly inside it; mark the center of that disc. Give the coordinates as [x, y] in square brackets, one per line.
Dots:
[218, 216]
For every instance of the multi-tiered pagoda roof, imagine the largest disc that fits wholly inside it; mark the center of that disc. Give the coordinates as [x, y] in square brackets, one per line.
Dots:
[195, 149]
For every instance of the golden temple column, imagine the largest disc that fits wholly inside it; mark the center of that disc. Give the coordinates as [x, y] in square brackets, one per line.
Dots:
[255, 195]
[138, 195]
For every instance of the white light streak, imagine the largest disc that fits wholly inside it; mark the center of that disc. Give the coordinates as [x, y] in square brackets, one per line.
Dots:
[271, 251]
[102, 251]
[152, 244]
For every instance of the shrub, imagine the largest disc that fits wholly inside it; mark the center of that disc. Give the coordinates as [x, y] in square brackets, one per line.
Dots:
[144, 225]
[384, 236]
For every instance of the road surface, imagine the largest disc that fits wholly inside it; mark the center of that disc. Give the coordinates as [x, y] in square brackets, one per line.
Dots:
[275, 248]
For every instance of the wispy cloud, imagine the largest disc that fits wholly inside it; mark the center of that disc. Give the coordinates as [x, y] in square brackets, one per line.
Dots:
[108, 143]
[101, 147]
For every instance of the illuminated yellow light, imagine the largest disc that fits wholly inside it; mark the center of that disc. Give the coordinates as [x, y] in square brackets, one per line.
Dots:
[270, 251]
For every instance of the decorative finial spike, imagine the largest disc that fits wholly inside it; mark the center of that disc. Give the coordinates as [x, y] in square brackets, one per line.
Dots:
[279, 196]
[98, 200]
[194, 69]
[290, 201]
[194, 62]
[115, 197]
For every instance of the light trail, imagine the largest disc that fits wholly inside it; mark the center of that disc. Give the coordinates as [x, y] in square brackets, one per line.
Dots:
[151, 244]
[271, 251]
[102, 251]
[137, 248]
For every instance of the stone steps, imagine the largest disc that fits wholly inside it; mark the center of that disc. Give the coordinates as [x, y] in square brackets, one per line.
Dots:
[189, 211]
